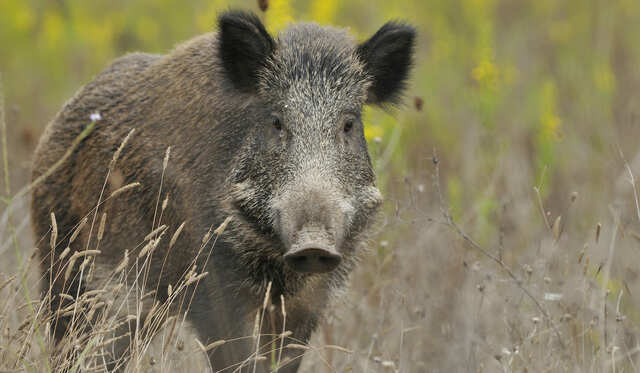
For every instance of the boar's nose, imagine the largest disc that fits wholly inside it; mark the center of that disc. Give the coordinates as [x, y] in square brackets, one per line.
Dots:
[313, 250]
[313, 258]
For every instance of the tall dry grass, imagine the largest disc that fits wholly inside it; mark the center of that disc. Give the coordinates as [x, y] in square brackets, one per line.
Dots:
[118, 308]
[429, 298]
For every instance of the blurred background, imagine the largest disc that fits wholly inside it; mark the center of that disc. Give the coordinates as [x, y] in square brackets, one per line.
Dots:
[533, 111]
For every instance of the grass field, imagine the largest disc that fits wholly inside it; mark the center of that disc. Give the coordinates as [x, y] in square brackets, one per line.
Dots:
[510, 237]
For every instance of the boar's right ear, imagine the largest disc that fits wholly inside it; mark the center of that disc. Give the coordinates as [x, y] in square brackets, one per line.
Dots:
[244, 46]
[388, 57]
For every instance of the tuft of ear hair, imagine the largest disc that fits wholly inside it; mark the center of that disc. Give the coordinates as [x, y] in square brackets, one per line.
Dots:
[388, 58]
[244, 46]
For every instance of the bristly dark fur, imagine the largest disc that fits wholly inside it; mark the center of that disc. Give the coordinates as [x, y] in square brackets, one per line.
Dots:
[257, 129]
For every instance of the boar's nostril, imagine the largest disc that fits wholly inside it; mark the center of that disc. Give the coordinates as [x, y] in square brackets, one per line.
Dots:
[313, 259]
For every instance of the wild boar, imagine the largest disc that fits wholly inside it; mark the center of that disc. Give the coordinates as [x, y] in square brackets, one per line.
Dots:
[264, 130]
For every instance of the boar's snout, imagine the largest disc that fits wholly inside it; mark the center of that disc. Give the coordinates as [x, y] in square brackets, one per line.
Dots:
[312, 220]
[313, 259]
[312, 253]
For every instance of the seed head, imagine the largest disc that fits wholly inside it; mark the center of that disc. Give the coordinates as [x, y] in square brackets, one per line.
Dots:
[124, 189]
[223, 226]
[116, 155]
[174, 238]
[54, 231]
[165, 163]
[78, 229]
[103, 221]
[123, 263]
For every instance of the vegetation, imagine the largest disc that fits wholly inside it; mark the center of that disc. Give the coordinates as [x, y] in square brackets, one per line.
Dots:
[511, 233]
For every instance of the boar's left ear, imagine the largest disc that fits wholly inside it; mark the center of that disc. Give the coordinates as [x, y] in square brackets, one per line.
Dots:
[244, 46]
[388, 57]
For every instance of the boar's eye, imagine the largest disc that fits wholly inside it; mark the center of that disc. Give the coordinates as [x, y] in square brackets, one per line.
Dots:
[277, 124]
[348, 125]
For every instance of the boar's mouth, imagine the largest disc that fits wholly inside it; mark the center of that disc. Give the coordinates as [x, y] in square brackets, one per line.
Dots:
[313, 251]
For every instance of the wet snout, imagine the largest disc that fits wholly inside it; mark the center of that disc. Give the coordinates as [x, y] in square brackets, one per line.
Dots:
[312, 217]
[313, 251]
[313, 258]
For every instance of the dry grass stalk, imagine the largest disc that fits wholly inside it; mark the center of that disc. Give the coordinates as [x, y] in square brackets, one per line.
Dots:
[197, 278]
[258, 325]
[80, 254]
[632, 181]
[92, 270]
[285, 333]
[297, 346]
[150, 315]
[78, 229]
[205, 238]
[7, 282]
[93, 310]
[117, 288]
[155, 232]
[74, 257]
[267, 293]
[213, 345]
[92, 293]
[176, 234]
[24, 324]
[66, 296]
[165, 202]
[200, 345]
[165, 163]
[72, 262]
[84, 263]
[556, 230]
[223, 226]
[67, 313]
[338, 348]
[54, 231]
[149, 247]
[114, 339]
[148, 294]
[65, 252]
[116, 155]
[123, 264]
[191, 272]
[123, 189]
[97, 305]
[27, 305]
[70, 307]
[70, 150]
[171, 321]
[103, 222]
